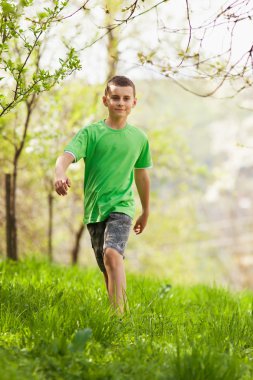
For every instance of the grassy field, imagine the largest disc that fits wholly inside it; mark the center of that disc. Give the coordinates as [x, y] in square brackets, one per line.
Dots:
[56, 324]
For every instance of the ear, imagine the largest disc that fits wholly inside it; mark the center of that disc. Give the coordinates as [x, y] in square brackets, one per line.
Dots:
[134, 102]
[104, 99]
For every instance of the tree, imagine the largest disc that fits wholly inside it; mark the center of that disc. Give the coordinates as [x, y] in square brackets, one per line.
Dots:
[21, 61]
[183, 53]
[22, 42]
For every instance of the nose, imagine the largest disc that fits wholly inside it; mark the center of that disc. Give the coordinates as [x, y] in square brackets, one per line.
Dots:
[120, 102]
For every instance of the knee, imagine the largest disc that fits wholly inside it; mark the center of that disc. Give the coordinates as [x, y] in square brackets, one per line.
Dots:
[111, 258]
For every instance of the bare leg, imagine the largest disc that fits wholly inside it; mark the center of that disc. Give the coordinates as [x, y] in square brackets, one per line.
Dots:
[106, 280]
[116, 278]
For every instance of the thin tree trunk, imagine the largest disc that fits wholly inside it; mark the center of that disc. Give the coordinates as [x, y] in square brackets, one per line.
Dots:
[112, 38]
[112, 53]
[8, 213]
[50, 225]
[75, 250]
[11, 187]
[10, 220]
[13, 210]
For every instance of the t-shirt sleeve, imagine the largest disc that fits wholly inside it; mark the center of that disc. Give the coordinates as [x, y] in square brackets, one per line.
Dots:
[78, 145]
[144, 160]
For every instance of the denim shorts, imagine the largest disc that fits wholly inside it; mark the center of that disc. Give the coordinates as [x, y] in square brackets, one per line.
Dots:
[110, 233]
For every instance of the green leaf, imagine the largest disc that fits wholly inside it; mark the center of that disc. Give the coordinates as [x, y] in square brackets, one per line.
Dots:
[42, 15]
[8, 8]
[25, 3]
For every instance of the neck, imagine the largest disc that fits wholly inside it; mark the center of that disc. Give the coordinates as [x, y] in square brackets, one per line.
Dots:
[116, 123]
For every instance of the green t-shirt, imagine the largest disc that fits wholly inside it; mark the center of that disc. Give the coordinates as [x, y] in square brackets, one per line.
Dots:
[110, 157]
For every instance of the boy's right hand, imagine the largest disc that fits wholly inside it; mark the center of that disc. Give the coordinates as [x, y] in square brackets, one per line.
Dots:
[61, 185]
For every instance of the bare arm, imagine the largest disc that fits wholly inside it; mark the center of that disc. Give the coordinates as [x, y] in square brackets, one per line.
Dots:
[143, 186]
[62, 182]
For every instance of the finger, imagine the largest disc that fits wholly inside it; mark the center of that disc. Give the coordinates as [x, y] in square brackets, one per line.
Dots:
[60, 189]
[57, 188]
[64, 190]
[57, 191]
[141, 228]
[140, 231]
[136, 226]
[64, 185]
[137, 229]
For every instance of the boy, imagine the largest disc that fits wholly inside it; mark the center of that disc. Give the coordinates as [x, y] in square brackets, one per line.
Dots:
[114, 153]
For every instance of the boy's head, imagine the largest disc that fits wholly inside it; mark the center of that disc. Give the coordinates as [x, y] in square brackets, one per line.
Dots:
[120, 81]
[119, 96]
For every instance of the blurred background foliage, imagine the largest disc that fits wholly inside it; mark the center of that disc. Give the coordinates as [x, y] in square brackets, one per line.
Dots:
[200, 227]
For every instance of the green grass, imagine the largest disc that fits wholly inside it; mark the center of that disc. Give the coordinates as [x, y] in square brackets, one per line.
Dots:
[55, 323]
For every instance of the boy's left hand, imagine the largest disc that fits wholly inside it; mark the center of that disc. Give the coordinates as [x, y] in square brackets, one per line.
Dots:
[140, 223]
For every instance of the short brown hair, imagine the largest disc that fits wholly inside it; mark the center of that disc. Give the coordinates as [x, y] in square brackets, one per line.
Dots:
[121, 81]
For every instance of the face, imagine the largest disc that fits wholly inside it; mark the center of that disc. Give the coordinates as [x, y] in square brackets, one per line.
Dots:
[120, 101]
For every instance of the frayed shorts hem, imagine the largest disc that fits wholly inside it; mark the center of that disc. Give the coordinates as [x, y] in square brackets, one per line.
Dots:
[111, 233]
[115, 248]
